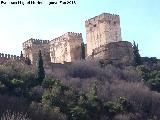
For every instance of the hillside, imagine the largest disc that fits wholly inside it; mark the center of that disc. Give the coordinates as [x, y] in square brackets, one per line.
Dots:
[83, 90]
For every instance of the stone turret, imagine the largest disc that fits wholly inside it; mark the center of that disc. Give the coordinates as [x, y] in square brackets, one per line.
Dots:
[102, 29]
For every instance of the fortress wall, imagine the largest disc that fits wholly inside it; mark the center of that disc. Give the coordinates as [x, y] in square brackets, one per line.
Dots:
[5, 57]
[121, 51]
[66, 36]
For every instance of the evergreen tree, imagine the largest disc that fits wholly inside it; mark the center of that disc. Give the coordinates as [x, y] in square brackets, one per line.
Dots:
[137, 57]
[82, 51]
[21, 55]
[41, 71]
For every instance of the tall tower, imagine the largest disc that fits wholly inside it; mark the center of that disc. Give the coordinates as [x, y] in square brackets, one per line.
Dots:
[31, 49]
[102, 29]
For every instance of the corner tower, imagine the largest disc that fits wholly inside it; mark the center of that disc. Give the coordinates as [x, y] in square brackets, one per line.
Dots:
[101, 30]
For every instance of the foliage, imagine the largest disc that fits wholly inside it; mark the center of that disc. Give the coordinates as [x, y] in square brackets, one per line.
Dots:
[151, 76]
[41, 71]
[85, 92]
[8, 115]
[83, 51]
[21, 55]
[16, 78]
[137, 57]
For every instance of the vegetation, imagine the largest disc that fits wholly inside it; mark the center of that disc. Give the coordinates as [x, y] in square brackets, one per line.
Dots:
[41, 72]
[137, 57]
[83, 51]
[83, 90]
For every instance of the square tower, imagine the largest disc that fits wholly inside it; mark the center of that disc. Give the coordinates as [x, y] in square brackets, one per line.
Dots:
[31, 49]
[66, 48]
[101, 30]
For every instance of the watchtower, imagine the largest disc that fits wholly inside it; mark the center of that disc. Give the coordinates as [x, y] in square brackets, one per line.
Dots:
[101, 30]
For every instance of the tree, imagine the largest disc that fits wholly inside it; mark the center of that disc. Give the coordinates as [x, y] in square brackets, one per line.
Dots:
[137, 57]
[21, 55]
[41, 71]
[82, 51]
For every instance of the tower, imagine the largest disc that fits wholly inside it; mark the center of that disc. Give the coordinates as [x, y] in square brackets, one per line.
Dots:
[31, 48]
[101, 30]
[66, 48]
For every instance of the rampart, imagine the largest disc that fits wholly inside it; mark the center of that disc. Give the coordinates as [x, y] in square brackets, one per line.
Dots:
[8, 56]
[65, 36]
[121, 51]
[35, 41]
[5, 57]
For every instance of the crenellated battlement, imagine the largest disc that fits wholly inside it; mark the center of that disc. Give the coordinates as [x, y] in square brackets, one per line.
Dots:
[35, 41]
[101, 18]
[66, 36]
[8, 57]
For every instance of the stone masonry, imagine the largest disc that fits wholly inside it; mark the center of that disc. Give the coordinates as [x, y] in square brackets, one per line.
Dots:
[66, 48]
[103, 37]
[121, 52]
[102, 29]
[31, 48]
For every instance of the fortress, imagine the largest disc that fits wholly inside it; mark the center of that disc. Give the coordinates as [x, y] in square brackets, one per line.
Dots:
[103, 37]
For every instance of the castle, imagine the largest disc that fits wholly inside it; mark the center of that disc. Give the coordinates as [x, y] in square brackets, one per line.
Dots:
[103, 37]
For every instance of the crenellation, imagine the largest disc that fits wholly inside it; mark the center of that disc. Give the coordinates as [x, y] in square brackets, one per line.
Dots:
[101, 30]
[67, 36]
[12, 57]
[101, 18]
[8, 56]
[5, 57]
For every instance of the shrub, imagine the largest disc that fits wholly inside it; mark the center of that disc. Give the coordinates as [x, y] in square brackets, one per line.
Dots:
[8, 115]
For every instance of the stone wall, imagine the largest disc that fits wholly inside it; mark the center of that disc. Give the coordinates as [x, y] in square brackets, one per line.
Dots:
[5, 57]
[66, 48]
[31, 48]
[101, 30]
[121, 51]
[103, 34]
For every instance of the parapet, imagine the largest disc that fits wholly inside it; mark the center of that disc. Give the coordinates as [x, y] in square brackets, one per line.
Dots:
[8, 56]
[35, 41]
[102, 17]
[66, 36]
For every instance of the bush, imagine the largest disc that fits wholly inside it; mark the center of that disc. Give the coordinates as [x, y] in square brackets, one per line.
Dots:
[8, 115]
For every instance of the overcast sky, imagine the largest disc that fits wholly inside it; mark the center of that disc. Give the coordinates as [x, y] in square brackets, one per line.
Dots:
[140, 21]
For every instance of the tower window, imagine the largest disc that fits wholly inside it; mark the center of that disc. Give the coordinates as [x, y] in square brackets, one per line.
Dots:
[94, 25]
